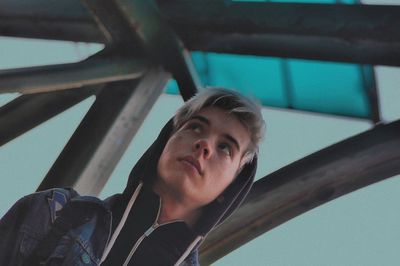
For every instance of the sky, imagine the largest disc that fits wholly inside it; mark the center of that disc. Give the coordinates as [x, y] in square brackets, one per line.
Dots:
[360, 228]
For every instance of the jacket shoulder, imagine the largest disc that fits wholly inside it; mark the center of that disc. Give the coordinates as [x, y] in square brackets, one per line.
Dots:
[29, 218]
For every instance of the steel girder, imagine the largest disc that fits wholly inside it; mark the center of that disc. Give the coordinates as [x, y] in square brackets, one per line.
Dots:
[366, 34]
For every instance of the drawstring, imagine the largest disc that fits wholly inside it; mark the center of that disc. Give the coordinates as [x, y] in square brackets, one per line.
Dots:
[188, 250]
[122, 222]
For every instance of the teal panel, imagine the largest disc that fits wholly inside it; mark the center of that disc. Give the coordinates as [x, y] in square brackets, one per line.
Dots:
[258, 77]
[317, 86]
[334, 88]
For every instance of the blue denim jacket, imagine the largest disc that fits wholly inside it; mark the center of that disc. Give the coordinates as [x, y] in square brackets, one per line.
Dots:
[32, 217]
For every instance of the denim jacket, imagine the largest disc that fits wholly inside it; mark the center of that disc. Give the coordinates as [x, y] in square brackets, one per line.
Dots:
[27, 223]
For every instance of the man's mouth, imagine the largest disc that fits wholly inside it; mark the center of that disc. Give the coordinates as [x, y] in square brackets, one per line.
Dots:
[193, 162]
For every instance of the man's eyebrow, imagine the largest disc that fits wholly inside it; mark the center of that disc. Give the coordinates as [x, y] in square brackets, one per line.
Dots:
[227, 136]
[201, 118]
[233, 140]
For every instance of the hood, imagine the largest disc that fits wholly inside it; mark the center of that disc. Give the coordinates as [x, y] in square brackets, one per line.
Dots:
[215, 212]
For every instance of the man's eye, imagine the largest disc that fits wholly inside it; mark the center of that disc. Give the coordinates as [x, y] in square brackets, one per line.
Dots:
[225, 148]
[195, 127]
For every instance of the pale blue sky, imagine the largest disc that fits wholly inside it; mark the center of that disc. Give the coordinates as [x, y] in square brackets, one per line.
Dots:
[358, 229]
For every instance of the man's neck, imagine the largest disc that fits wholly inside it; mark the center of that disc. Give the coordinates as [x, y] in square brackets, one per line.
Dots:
[173, 209]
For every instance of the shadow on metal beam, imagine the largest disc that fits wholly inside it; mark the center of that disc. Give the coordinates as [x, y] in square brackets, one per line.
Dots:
[308, 183]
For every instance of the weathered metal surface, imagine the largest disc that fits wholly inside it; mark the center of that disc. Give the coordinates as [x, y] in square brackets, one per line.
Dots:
[27, 111]
[106, 131]
[75, 75]
[366, 34]
[316, 179]
[133, 25]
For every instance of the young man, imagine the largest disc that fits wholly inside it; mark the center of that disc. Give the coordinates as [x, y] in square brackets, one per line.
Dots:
[191, 178]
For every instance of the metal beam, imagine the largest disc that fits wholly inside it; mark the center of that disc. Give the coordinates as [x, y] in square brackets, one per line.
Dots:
[50, 28]
[366, 34]
[66, 76]
[106, 131]
[133, 24]
[349, 22]
[59, 20]
[27, 111]
[308, 183]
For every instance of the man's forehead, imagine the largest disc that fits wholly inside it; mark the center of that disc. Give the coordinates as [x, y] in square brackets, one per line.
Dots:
[230, 126]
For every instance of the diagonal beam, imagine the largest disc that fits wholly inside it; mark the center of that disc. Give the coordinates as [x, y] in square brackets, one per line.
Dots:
[106, 131]
[369, 83]
[27, 111]
[137, 24]
[66, 76]
[308, 183]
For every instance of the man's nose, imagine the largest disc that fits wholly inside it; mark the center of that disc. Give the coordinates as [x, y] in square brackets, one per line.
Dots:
[202, 146]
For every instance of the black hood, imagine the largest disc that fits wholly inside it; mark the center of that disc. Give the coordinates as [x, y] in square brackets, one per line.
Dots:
[215, 212]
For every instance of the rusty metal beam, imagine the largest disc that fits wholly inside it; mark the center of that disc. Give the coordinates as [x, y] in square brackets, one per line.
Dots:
[133, 25]
[27, 111]
[106, 131]
[92, 71]
[308, 183]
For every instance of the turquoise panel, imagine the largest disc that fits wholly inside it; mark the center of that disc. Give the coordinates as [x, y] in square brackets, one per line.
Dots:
[334, 88]
[257, 77]
[317, 86]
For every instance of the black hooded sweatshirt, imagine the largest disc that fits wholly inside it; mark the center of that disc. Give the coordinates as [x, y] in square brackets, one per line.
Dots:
[137, 238]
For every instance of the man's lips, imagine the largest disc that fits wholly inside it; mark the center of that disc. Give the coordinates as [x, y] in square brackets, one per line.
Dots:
[192, 161]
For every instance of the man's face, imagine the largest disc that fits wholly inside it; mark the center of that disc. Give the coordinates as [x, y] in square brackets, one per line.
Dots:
[203, 157]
